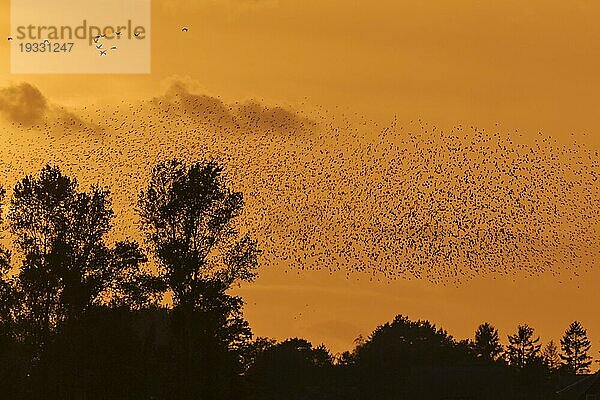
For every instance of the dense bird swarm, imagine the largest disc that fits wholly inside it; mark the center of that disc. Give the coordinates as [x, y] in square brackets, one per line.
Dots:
[339, 193]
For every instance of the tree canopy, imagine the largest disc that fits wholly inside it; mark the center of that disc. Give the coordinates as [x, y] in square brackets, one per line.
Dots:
[575, 346]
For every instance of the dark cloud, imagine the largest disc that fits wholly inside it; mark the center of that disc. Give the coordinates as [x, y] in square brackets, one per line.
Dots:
[247, 116]
[257, 116]
[23, 104]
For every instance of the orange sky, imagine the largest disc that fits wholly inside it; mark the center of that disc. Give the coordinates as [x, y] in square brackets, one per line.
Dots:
[531, 66]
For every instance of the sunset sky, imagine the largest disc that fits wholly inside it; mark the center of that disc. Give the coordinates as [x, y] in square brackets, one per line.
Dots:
[512, 65]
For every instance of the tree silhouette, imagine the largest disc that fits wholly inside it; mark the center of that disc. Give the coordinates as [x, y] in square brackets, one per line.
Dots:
[487, 345]
[188, 214]
[551, 356]
[128, 283]
[253, 349]
[12, 366]
[395, 348]
[523, 349]
[575, 346]
[402, 344]
[67, 266]
[9, 299]
[291, 369]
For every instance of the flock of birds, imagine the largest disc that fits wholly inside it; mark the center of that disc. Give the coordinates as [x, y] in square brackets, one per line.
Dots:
[99, 45]
[340, 193]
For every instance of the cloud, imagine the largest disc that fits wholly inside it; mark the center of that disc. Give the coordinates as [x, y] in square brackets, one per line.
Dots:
[248, 116]
[257, 116]
[23, 104]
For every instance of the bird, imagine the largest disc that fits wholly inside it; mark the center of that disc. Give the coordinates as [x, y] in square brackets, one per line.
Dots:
[10, 38]
[102, 52]
[113, 48]
[118, 33]
[137, 34]
[184, 29]
[99, 46]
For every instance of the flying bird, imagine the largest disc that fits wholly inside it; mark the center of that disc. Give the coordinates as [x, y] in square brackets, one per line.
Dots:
[185, 29]
[102, 52]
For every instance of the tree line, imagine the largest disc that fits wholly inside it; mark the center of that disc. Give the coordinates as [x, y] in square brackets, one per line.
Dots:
[524, 349]
[84, 318]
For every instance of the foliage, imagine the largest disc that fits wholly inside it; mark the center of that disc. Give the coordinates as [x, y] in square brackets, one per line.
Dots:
[487, 342]
[523, 350]
[575, 346]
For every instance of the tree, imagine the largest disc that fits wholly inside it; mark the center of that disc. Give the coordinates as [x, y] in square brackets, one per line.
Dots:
[292, 369]
[253, 349]
[67, 267]
[188, 214]
[128, 284]
[406, 343]
[401, 346]
[9, 300]
[11, 367]
[350, 358]
[575, 346]
[523, 349]
[551, 356]
[8, 295]
[487, 345]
